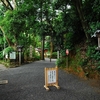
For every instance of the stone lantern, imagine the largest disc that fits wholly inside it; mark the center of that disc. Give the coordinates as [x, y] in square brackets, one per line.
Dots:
[19, 48]
[97, 34]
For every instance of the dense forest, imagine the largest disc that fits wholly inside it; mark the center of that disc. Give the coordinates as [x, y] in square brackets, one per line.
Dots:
[70, 24]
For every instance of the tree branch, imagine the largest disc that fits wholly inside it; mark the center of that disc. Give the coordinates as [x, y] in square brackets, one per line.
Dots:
[7, 4]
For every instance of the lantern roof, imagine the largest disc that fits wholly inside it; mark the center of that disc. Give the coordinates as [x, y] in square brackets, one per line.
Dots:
[96, 33]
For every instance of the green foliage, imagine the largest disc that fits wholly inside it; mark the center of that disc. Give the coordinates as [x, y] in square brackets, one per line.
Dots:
[93, 54]
[92, 59]
[47, 42]
[61, 62]
[76, 60]
[37, 42]
[63, 53]
[98, 68]
[15, 23]
[8, 50]
[58, 62]
[34, 17]
[36, 57]
[94, 26]
[54, 55]
[53, 18]
[69, 41]
[84, 62]
[89, 55]
[2, 10]
[1, 55]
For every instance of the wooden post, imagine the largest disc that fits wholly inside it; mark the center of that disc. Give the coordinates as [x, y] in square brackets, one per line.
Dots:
[19, 58]
[51, 45]
[42, 49]
[67, 61]
[99, 42]
[46, 78]
[58, 53]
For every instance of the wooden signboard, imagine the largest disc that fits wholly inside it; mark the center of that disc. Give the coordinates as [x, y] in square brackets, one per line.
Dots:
[51, 77]
[13, 55]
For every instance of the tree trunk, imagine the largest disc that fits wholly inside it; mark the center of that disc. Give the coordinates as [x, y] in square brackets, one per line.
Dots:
[5, 36]
[7, 4]
[78, 4]
[8, 40]
[51, 45]
[15, 4]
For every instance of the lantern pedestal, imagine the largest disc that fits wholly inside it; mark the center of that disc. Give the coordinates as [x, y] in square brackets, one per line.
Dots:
[67, 61]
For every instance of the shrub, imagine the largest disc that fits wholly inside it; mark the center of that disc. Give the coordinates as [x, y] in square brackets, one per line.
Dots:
[61, 62]
[8, 50]
[1, 55]
[54, 55]
[37, 57]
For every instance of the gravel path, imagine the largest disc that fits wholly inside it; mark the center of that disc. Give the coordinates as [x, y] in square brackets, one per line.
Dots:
[27, 83]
